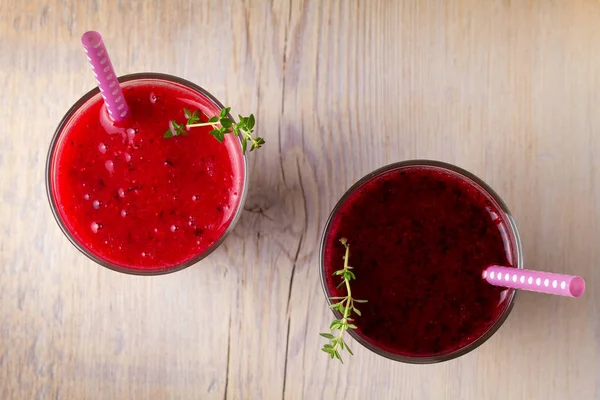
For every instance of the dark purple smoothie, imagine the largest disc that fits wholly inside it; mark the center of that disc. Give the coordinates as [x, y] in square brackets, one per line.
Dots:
[420, 238]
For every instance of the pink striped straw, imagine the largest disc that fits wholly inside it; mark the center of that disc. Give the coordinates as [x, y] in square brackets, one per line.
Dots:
[105, 76]
[535, 281]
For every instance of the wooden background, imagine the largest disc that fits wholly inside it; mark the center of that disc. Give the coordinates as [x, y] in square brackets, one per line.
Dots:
[507, 89]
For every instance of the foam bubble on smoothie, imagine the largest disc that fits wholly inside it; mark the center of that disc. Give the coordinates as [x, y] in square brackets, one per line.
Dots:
[95, 226]
[102, 148]
[110, 166]
[130, 132]
[96, 204]
[121, 192]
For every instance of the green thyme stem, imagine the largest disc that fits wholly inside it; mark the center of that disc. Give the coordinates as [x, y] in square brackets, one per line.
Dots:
[344, 306]
[348, 300]
[200, 124]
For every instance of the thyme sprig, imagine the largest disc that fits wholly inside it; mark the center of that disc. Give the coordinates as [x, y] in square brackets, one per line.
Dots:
[221, 124]
[345, 306]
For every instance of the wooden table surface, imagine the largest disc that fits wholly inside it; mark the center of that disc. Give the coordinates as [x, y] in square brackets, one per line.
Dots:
[509, 90]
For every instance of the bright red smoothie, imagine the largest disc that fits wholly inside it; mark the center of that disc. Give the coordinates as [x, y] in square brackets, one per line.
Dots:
[420, 239]
[135, 199]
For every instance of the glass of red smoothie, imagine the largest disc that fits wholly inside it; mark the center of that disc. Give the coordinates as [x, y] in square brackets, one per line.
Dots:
[421, 233]
[133, 200]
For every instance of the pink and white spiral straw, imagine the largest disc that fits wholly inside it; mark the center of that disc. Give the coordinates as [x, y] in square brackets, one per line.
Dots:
[105, 76]
[536, 281]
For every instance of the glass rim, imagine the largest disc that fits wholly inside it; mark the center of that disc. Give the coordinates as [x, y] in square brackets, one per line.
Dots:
[513, 231]
[53, 206]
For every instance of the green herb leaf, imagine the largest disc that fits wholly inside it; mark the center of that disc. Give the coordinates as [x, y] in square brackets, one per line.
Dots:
[168, 134]
[192, 117]
[349, 351]
[226, 122]
[327, 335]
[218, 135]
[224, 112]
[179, 129]
[250, 122]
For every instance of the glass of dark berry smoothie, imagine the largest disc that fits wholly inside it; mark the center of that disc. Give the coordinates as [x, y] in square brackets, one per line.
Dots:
[421, 233]
[131, 199]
